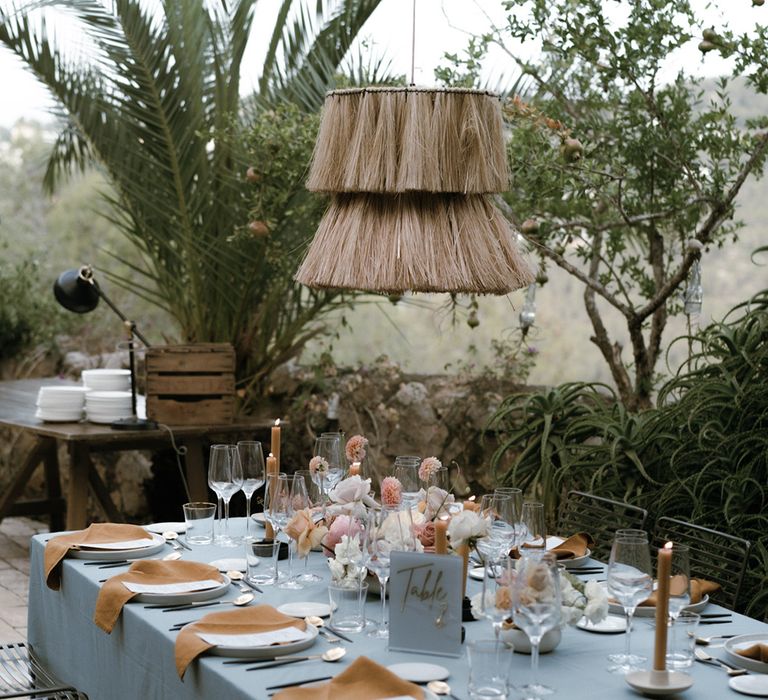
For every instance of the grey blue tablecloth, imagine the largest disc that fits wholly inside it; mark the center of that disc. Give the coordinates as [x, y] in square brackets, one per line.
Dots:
[136, 662]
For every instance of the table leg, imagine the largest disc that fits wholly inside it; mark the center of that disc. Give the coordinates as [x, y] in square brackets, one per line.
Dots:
[77, 498]
[20, 479]
[196, 476]
[53, 486]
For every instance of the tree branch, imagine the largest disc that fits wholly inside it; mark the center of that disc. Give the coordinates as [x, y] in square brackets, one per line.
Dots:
[562, 262]
[704, 234]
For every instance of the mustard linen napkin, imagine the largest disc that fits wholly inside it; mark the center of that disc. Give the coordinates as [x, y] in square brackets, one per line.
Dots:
[363, 680]
[98, 533]
[113, 594]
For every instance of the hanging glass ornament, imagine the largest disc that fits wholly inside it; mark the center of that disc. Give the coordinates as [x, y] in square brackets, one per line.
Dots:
[528, 312]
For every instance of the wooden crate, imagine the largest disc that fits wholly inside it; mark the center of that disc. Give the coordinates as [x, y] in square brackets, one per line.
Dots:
[191, 384]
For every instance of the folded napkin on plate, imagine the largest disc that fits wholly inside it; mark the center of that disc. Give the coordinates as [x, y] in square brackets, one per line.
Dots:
[575, 546]
[113, 594]
[758, 652]
[98, 533]
[252, 620]
[699, 588]
[363, 679]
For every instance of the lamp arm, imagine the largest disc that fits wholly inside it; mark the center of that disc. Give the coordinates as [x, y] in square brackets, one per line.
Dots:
[123, 317]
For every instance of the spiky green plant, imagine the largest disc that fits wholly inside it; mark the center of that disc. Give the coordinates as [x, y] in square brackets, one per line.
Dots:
[154, 101]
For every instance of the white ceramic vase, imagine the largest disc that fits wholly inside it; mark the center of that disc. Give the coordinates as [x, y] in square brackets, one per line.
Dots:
[522, 644]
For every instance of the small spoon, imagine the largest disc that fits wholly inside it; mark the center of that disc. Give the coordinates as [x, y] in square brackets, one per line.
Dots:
[243, 599]
[440, 688]
[173, 556]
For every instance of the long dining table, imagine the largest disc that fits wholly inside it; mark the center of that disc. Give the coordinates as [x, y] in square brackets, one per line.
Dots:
[137, 659]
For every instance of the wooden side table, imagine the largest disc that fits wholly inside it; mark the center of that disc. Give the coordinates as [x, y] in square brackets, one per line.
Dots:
[17, 410]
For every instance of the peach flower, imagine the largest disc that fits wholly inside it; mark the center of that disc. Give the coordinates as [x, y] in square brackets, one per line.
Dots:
[391, 491]
[303, 529]
[355, 449]
[426, 533]
[318, 465]
[428, 467]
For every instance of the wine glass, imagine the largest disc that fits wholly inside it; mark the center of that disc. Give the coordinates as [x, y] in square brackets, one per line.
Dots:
[330, 449]
[252, 463]
[339, 437]
[378, 547]
[517, 504]
[225, 477]
[408, 476]
[276, 497]
[440, 478]
[535, 529]
[629, 582]
[217, 454]
[296, 499]
[680, 584]
[315, 503]
[536, 608]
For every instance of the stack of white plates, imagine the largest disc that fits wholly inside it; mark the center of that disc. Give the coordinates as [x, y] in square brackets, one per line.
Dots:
[107, 379]
[60, 404]
[107, 406]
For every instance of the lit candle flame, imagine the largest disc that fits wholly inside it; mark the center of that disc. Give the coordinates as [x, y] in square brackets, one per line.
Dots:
[277, 422]
[271, 455]
[668, 545]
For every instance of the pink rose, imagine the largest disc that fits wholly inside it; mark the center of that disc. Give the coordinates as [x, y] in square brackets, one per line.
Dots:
[342, 525]
[426, 533]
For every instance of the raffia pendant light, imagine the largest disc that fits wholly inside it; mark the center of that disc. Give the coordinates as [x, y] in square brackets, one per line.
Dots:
[410, 171]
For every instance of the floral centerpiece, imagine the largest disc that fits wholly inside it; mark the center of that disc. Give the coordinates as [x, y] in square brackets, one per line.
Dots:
[346, 564]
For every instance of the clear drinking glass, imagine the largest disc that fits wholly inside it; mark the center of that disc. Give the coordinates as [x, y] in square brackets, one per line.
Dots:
[252, 463]
[377, 553]
[535, 529]
[629, 582]
[681, 640]
[536, 608]
[489, 666]
[497, 596]
[223, 479]
[199, 520]
[441, 478]
[315, 497]
[261, 561]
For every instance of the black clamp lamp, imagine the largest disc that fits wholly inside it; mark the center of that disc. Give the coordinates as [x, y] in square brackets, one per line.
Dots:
[77, 290]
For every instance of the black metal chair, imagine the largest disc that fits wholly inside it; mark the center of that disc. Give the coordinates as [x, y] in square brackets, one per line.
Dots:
[22, 676]
[600, 517]
[715, 556]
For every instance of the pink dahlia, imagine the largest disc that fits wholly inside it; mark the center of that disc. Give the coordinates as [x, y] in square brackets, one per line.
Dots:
[318, 465]
[355, 448]
[428, 467]
[391, 490]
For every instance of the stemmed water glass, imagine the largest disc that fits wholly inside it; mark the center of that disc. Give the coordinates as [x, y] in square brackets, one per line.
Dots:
[534, 534]
[680, 584]
[330, 449]
[536, 608]
[629, 582]
[252, 463]
[315, 503]
[277, 493]
[297, 499]
[225, 477]
[377, 552]
[517, 504]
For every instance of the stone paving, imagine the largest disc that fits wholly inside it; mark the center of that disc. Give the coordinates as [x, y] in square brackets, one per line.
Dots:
[14, 576]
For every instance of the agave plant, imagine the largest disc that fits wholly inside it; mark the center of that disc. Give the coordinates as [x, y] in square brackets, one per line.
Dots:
[154, 101]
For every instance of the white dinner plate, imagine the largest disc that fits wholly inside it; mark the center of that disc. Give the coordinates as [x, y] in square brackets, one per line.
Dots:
[750, 685]
[160, 528]
[74, 417]
[268, 652]
[650, 610]
[233, 564]
[418, 672]
[612, 624]
[744, 641]
[184, 598]
[158, 543]
[260, 519]
[305, 609]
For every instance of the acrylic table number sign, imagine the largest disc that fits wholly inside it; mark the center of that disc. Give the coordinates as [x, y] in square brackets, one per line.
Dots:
[425, 596]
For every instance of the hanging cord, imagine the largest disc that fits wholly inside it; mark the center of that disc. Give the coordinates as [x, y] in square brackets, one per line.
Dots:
[413, 45]
[180, 452]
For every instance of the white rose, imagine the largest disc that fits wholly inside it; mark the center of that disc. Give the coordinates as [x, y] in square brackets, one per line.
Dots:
[350, 490]
[348, 550]
[337, 569]
[466, 526]
[570, 616]
[397, 530]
